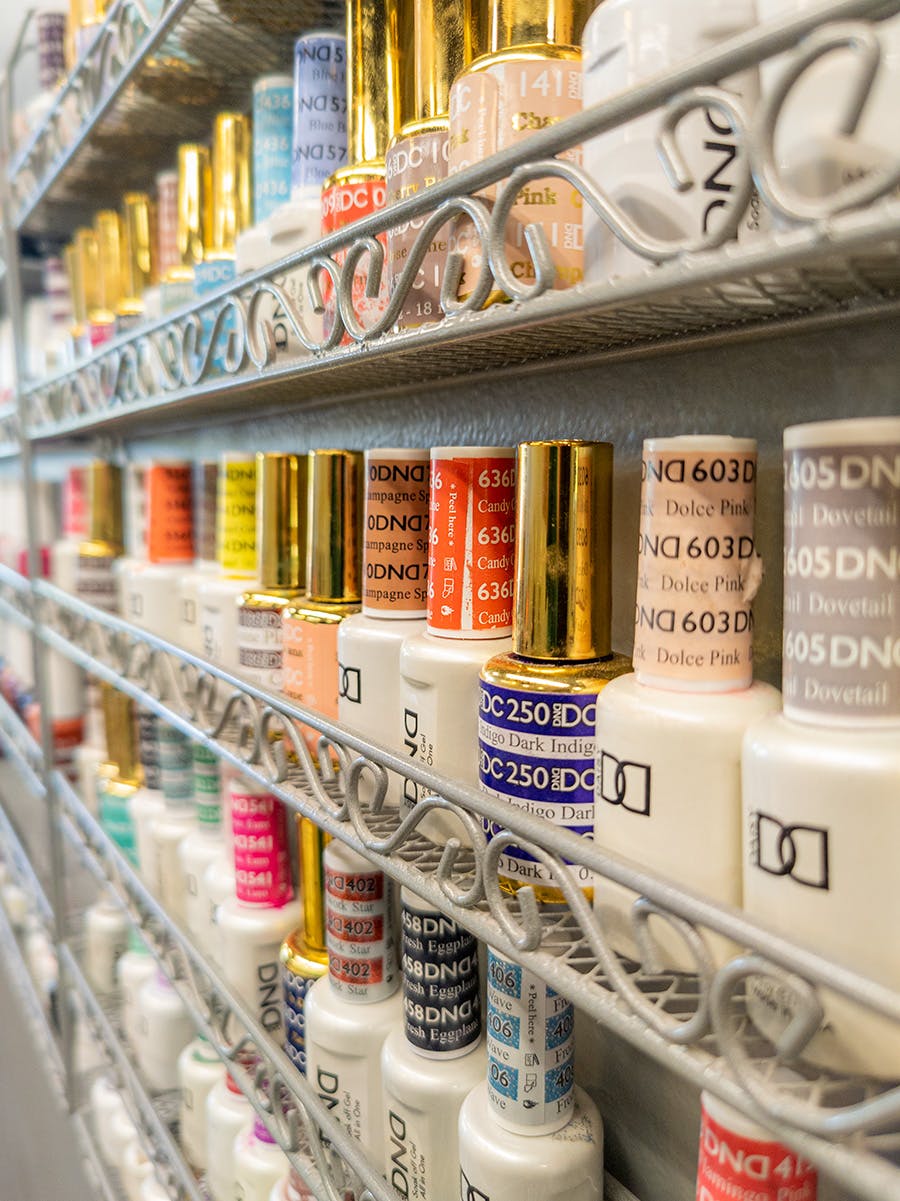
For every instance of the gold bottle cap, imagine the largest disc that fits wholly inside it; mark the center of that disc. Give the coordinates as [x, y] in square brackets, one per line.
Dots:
[231, 192]
[508, 23]
[312, 883]
[121, 734]
[88, 252]
[334, 525]
[373, 79]
[194, 228]
[139, 252]
[281, 520]
[436, 41]
[75, 271]
[563, 592]
[104, 498]
[108, 228]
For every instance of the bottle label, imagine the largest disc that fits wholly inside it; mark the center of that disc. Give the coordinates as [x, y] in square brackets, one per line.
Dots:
[176, 765]
[530, 1046]
[74, 499]
[236, 517]
[259, 644]
[395, 546]
[698, 569]
[148, 748]
[441, 1001]
[295, 988]
[499, 107]
[116, 820]
[472, 533]
[168, 254]
[170, 507]
[537, 751]
[734, 1167]
[207, 787]
[210, 275]
[320, 110]
[362, 955]
[841, 566]
[310, 667]
[412, 164]
[262, 865]
[341, 205]
[95, 582]
[273, 120]
[206, 498]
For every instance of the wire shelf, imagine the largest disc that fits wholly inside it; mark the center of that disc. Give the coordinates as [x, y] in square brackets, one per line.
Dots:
[693, 1021]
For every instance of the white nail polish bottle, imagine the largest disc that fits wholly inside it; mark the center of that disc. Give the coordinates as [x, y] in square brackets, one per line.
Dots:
[739, 1158]
[217, 888]
[433, 1059]
[821, 820]
[281, 553]
[236, 551]
[148, 802]
[206, 565]
[259, 1163]
[470, 582]
[691, 696]
[134, 968]
[164, 1027]
[203, 844]
[538, 704]
[528, 1134]
[199, 1071]
[105, 940]
[178, 819]
[106, 1103]
[227, 1113]
[625, 43]
[150, 586]
[395, 571]
[350, 1012]
[254, 923]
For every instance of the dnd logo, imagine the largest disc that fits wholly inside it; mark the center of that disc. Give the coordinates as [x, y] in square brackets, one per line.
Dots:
[468, 1192]
[625, 783]
[797, 851]
[351, 684]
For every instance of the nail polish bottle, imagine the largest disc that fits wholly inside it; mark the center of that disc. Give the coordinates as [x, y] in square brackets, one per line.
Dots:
[538, 709]
[691, 696]
[176, 821]
[259, 1163]
[94, 578]
[105, 942]
[150, 587]
[528, 1133]
[231, 212]
[228, 1112]
[436, 37]
[138, 258]
[134, 967]
[358, 189]
[469, 615]
[821, 821]
[108, 286]
[333, 570]
[164, 1028]
[626, 43]
[206, 565]
[199, 1071]
[254, 923]
[193, 230]
[281, 555]
[350, 1011]
[435, 1056]
[304, 958]
[395, 584]
[203, 844]
[217, 598]
[526, 76]
[120, 777]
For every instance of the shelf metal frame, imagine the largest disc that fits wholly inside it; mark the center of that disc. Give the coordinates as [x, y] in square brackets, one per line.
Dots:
[824, 256]
[693, 1022]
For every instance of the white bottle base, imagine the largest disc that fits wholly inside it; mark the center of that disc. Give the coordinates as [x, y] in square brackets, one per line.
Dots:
[251, 941]
[502, 1166]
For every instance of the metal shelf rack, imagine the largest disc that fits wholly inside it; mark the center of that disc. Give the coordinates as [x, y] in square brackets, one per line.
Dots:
[821, 264]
